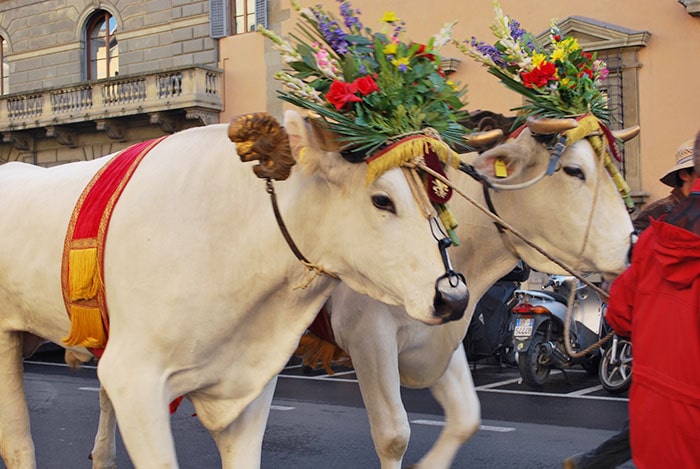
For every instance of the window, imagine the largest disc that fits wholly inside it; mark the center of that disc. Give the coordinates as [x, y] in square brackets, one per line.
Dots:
[102, 47]
[243, 16]
[5, 71]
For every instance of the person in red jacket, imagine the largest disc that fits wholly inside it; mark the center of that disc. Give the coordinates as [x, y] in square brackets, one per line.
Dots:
[656, 302]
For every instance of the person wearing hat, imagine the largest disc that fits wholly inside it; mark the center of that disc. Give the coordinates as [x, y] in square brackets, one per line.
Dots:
[681, 177]
[616, 450]
[657, 301]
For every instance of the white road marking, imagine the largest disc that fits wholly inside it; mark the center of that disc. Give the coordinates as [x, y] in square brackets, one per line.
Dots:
[281, 407]
[585, 391]
[440, 423]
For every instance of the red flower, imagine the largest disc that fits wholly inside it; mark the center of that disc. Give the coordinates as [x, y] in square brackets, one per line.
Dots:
[341, 93]
[421, 53]
[365, 85]
[557, 37]
[586, 71]
[539, 76]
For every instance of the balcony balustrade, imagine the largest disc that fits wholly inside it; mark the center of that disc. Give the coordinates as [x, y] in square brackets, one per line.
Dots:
[194, 90]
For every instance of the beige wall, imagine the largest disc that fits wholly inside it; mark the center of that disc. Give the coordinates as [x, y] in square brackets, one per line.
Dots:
[669, 108]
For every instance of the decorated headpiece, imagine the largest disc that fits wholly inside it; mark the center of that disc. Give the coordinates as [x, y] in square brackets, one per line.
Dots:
[371, 89]
[558, 80]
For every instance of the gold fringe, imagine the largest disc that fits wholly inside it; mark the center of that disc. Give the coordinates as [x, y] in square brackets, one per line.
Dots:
[86, 327]
[84, 277]
[316, 352]
[404, 151]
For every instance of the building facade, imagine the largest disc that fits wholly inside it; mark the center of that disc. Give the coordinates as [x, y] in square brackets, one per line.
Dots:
[85, 78]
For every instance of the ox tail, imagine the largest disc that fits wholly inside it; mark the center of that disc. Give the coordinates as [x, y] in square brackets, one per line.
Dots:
[315, 352]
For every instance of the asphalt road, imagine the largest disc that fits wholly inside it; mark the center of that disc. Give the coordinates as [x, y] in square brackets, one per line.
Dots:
[318, 421]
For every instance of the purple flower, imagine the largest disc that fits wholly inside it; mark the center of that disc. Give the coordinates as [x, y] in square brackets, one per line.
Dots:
[516, 32]
[332, 33]
[350, 16]
[489, 51]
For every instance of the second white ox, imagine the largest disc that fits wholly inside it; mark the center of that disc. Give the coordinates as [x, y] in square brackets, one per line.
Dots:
[388, 349]
[199, 281]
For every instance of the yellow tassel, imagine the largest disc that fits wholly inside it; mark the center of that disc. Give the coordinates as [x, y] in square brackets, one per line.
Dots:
[86, 328]
[586, 126]
[316, 352]
[404, 151]
[84, 275]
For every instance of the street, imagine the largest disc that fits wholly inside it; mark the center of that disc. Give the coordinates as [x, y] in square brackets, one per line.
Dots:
[318, 421]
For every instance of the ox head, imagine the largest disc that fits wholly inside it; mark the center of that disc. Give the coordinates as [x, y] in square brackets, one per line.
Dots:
[576, 214]
[375, 237]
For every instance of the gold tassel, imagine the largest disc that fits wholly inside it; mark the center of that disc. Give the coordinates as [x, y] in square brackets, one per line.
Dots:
[622, 186]
[315, 351]
[404, 151]
[449, 222]
[84, 277]
[86, 328]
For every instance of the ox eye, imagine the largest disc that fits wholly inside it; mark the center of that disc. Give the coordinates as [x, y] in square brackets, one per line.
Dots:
[383, 202]
[574, 172]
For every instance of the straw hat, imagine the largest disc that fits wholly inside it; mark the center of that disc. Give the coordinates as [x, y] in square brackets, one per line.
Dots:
[684, 159]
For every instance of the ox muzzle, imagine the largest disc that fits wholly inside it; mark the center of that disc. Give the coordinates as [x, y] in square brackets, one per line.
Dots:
[451, 292]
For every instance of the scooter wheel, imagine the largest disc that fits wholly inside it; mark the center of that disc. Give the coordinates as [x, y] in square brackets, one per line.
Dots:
[615, 373]
[533, 364]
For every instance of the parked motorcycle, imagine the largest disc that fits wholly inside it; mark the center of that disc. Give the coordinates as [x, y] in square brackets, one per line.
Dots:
[538, 328]
[615, 371]
[490, 332]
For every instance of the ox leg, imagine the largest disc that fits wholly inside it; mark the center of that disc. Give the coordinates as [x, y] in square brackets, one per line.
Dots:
[240, 442]
[16, 445]
[140, 402]
[377, 371]
[455, 392]
[104, 450]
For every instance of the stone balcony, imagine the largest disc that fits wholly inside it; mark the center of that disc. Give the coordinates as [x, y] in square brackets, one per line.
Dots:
[166, 98]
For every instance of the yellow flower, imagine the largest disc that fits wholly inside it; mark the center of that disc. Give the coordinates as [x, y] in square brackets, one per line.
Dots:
[390, 49]
[570, 43]
[537, 59]
[399, 62]
[558, 54]
[389, 17]
[452, 85]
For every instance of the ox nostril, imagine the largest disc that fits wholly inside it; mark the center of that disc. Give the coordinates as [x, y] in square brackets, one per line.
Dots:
[451, 298]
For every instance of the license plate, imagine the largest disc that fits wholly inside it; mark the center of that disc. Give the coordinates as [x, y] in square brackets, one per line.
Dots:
[523, 327]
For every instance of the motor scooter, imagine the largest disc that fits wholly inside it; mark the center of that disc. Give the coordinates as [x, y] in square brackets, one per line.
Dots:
[538, 328]
[490, 332]
[615, 371]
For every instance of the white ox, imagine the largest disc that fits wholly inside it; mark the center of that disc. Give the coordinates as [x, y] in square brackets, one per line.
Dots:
[388, 349]
[199, 280]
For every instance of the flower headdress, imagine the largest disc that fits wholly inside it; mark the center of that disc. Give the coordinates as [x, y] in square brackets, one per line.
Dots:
[371, 88]
[559, 80]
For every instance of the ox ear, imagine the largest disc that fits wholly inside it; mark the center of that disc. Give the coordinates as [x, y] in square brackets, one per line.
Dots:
[298, 132]
[505, 161]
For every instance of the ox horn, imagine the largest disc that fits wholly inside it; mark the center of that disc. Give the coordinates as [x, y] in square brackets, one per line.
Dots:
[544, 126]
[626, 134]
[483, 139]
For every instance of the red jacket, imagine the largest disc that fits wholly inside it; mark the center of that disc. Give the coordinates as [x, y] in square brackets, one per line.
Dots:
[657, 303]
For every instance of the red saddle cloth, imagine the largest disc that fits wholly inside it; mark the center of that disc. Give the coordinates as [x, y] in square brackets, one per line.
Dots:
[83, 251]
